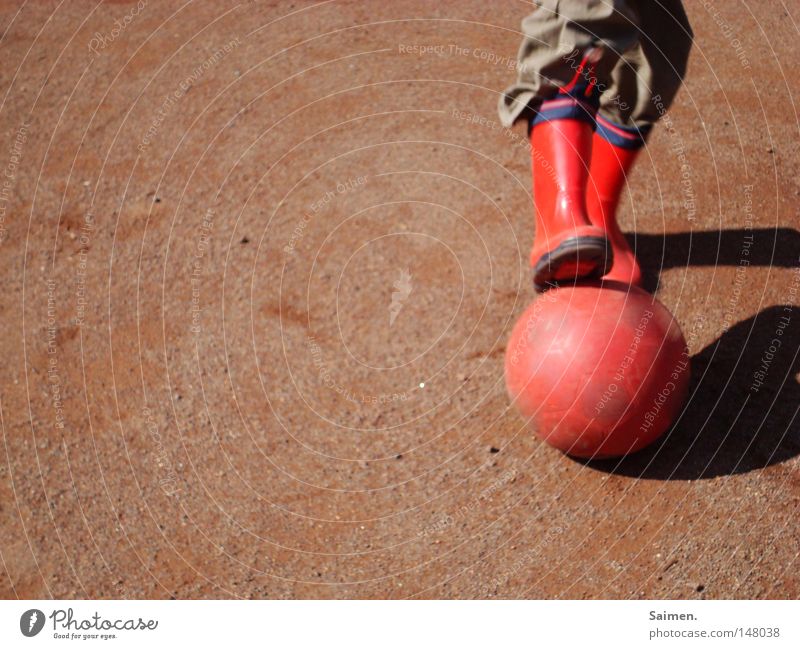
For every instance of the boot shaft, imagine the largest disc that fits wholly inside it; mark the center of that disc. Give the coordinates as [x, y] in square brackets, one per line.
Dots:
[560, 156]
[608, 174]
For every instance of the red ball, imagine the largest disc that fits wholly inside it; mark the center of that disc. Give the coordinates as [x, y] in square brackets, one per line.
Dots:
[597, 370]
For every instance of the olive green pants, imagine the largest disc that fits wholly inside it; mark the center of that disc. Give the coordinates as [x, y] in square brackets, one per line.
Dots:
[618, 63]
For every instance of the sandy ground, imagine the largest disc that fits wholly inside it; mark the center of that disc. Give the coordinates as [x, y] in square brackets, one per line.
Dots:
[208, 389]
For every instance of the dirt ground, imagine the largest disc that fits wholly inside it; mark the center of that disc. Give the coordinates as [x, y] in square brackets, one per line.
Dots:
[260, 263]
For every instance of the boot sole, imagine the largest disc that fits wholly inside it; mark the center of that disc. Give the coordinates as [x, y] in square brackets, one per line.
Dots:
[573, 260]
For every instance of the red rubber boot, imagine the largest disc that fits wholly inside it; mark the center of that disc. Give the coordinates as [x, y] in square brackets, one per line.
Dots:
[608, 172]
[567, 246]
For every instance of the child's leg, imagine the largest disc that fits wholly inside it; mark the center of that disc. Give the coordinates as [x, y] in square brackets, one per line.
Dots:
[614, 150]
[643, 84]
[567, 246]
[569, 47]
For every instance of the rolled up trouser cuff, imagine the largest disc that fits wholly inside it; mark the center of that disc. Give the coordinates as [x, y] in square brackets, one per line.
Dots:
[643, 49]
